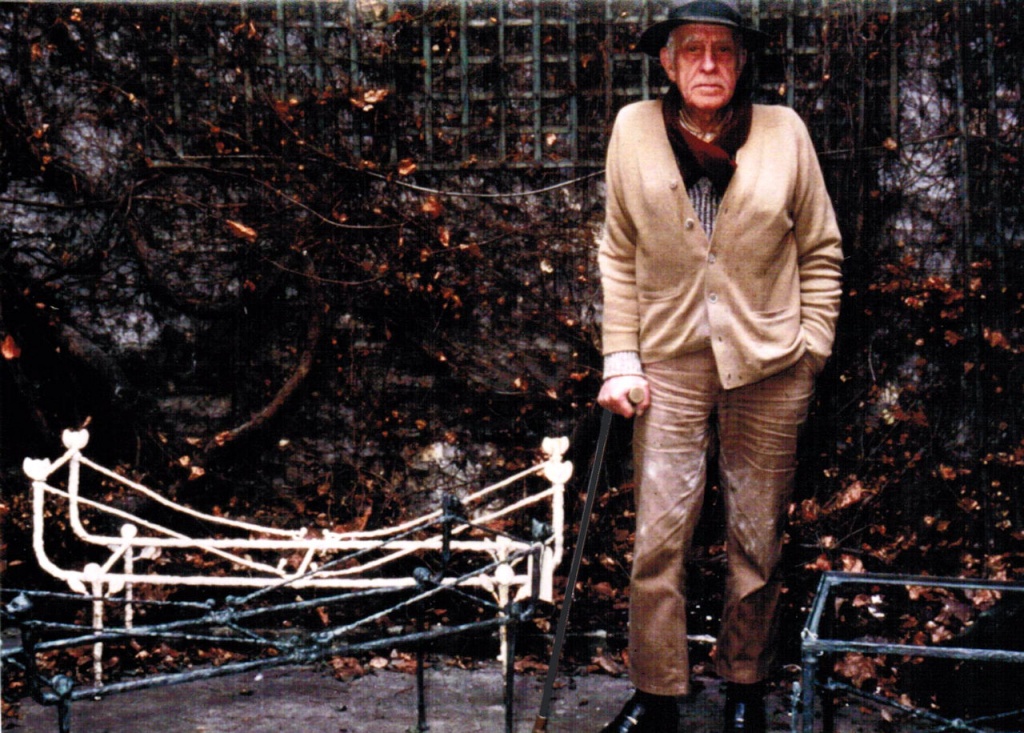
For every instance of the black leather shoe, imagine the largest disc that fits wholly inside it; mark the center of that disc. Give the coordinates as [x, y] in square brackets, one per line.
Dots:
[744, 708]
[646, 713]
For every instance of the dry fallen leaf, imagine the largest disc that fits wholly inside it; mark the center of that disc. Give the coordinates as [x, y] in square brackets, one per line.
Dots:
[346, 668]
[607, 663]
[10, 348]
[242, 231]
[852, 564]
[406, 167]
[432, 207]
[529, 664]
[379, 663]
[369, 98]
[858, 668]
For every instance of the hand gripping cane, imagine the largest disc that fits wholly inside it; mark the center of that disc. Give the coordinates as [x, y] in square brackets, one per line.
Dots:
[636, 396]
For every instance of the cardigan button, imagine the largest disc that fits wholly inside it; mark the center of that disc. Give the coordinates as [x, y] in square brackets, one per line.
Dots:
[713, 297]
[673, 185]
[690, 224]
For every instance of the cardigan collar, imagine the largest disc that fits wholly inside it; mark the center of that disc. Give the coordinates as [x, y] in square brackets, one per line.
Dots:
[697, 158]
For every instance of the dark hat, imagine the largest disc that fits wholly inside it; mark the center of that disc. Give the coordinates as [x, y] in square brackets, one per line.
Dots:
[715, 12]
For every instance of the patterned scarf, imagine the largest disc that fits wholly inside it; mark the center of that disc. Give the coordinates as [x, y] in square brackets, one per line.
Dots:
[697, 158]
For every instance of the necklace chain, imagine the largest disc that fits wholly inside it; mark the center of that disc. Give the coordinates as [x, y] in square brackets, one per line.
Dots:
[705, 135]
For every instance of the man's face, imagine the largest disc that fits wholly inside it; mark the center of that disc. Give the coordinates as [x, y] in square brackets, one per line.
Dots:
[704, 62]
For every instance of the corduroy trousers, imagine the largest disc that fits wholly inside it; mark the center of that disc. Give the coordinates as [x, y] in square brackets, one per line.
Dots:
[757, 428]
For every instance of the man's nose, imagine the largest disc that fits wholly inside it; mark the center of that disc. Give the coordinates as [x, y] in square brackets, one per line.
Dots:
[709, 61]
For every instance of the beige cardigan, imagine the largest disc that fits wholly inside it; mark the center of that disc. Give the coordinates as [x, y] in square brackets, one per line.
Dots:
[761, 292]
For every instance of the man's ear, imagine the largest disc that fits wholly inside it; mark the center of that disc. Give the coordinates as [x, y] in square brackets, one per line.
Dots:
[665, 56]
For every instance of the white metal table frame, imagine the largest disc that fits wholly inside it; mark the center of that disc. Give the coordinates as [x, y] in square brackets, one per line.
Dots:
[515, 571]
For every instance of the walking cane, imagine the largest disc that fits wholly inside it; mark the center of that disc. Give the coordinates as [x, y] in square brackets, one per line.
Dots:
[636, 396]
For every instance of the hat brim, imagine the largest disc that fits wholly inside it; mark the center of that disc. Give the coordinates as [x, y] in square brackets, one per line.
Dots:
[654, 38]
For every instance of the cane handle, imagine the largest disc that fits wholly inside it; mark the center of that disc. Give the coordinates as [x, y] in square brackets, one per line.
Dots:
[636, 395]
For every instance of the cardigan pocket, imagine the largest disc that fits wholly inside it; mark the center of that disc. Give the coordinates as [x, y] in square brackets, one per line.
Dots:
[777, 325]
[670, 319]
[773, 337]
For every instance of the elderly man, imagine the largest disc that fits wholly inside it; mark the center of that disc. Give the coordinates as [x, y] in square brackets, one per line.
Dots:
[720, 267]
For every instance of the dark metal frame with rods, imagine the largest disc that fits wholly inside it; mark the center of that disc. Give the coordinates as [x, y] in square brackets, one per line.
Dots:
[819, 642]
[232, 619]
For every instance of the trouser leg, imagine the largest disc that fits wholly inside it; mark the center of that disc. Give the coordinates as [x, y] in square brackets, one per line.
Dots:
[759, 427]
[670, 449]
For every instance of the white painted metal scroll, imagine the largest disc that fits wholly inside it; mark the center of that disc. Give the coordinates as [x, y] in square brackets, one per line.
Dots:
[249, 555]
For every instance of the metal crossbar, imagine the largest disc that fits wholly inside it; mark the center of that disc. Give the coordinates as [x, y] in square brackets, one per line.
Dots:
[461, 549]
[825, 636]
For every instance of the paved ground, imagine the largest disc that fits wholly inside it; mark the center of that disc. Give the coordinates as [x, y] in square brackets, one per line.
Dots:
[309, 699]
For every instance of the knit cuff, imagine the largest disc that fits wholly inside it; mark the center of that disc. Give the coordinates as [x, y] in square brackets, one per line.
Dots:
[623, 364]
